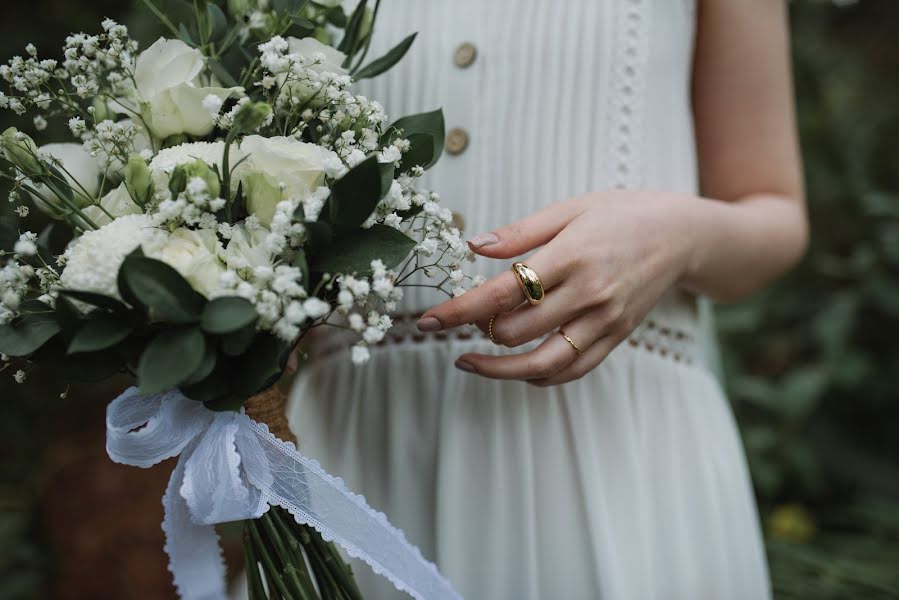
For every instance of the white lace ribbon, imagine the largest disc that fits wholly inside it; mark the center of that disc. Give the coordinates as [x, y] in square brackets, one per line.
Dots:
[232, 468]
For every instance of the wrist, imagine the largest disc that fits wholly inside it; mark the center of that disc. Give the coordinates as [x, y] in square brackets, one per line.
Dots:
[686, 221]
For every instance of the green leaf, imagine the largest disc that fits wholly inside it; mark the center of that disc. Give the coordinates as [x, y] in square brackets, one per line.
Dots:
[303, 23]
[353, 251]
[186, 37]
[425, 132]
[221, 72]
[388, 171]
[27, 334]
[228, 314]
[94, 299]
[67, 315]
[300, 262]
[206, 366]
[99, 333]
[355, 195]
[260, 366]
[420, 153]
[350, 39]
[216, 385]
[160, 288]
[319, 236]
[170, 359]
[236, 343]
[384, 63]
[337, 17]
[217, 22]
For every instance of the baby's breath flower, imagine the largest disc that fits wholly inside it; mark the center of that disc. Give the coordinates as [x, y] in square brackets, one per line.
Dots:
[360, 355]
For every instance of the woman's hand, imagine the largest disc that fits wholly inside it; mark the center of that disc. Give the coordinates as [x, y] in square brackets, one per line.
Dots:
[607, 258]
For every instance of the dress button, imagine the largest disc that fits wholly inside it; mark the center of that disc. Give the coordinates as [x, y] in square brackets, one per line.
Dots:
[466, 53]
[456, 141]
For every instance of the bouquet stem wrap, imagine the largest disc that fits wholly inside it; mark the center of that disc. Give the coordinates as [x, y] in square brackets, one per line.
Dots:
[232, 468]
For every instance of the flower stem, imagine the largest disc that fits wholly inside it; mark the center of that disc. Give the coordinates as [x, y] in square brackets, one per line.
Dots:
[268, 564]
[254, 581]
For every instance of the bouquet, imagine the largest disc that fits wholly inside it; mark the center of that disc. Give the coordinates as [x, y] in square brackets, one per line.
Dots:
[225, 192]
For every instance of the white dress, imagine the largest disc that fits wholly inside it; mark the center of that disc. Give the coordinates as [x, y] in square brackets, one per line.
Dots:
[628, 484]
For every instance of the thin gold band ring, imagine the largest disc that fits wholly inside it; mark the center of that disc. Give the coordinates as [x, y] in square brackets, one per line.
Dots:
[490, 329]
[571, 342]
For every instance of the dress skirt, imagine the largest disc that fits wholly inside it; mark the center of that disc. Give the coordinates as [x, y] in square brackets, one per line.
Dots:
[628, 484]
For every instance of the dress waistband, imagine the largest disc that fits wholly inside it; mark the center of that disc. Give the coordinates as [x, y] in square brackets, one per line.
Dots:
[677, 343]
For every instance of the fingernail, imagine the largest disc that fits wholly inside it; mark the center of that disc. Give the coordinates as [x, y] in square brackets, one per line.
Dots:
[484, 239]
[464, 366]
[429, 324]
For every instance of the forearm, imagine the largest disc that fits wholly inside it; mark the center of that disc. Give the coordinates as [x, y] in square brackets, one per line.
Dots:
[735, 248]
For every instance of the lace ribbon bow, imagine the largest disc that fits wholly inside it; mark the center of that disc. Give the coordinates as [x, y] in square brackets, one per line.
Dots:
[232, 468]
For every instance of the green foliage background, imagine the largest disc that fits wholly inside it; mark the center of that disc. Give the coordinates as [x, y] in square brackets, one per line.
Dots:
[812, 364]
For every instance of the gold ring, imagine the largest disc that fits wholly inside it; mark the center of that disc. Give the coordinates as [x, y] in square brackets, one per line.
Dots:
[529, 283]
[490, 329]
[570, 341]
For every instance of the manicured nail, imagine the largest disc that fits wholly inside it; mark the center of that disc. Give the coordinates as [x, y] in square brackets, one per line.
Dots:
[464, 366]
[429, 324]
[484, 239]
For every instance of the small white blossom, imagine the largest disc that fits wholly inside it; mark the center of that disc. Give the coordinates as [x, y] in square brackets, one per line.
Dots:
[316, 308]
[360, 355]
[213, 104]
[26, 244]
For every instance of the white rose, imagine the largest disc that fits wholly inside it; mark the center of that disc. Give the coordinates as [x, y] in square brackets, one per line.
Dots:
[81, 170]
[117, 203]
[167, 78]
[276, 169]
[310, 47]
[193, 255]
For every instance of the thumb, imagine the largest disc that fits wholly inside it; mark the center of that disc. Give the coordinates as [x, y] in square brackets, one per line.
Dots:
[531, 232]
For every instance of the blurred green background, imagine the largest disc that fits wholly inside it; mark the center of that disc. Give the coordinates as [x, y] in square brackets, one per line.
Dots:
[812, 364]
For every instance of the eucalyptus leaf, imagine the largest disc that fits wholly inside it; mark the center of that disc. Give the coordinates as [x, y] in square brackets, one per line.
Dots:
[319, 236]
[300, 262]
[237, 342]
[27, 334]
[228, 314]
[388, 172]
[425, 132]
[67, 315]
[355, 195]
[386, 62]
[206, 366]
[350, 39]
[216, 21]
[160, 288]
[94, 299]
[99, 333]
[221, 72]
[353, 251]
[186, 36]
[170, 359]
[261, 366]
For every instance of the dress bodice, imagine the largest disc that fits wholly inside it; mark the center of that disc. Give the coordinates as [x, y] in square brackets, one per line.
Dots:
[544, 101]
